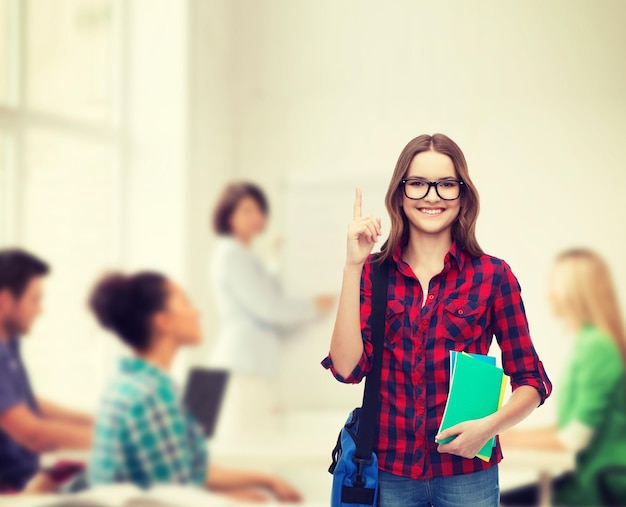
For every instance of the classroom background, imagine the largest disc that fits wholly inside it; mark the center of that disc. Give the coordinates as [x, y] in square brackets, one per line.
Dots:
[121, 122]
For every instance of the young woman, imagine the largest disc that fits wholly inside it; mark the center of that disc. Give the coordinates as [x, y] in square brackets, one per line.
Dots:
[143, 434]
[592, 398]
[255, 313]
[444, 294]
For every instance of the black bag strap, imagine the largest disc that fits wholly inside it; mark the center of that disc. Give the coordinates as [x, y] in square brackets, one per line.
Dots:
[369, 410]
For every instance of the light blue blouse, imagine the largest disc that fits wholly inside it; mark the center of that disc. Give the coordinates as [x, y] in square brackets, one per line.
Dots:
[255, 313]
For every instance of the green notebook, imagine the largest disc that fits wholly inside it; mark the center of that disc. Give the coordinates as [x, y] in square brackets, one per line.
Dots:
[487, 359]
[481, 357]
[476, 390]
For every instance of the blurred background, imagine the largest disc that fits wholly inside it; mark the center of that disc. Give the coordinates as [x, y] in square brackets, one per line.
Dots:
[121, 122]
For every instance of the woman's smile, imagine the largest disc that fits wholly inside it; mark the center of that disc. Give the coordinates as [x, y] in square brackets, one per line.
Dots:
[431, 211]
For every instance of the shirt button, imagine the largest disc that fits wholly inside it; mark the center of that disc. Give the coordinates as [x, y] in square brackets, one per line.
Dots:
[460, 312]
[430, 296]
[424, 321]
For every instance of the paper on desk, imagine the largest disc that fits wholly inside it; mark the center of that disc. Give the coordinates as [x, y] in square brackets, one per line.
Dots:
[128, 495]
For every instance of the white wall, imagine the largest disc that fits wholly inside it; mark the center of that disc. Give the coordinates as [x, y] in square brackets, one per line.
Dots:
[156, 177]
[532, 92]
[210, 148]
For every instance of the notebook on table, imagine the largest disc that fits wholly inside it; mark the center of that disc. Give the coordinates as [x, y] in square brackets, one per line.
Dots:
[129, 495]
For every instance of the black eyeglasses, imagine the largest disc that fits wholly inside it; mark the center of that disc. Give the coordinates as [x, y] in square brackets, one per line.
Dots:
[418, 188]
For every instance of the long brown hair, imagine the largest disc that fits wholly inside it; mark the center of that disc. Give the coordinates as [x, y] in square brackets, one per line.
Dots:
[585, 288]
[464, 227]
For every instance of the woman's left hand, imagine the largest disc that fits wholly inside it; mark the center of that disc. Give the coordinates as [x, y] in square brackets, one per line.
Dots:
[470, 437]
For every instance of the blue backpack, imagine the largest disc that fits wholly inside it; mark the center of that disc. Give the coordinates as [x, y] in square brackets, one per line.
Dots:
[355, 465]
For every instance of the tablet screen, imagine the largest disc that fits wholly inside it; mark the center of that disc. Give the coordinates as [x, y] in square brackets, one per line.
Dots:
[203, 396]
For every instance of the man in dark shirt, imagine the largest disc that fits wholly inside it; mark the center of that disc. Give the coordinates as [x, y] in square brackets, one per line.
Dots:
[28, 425]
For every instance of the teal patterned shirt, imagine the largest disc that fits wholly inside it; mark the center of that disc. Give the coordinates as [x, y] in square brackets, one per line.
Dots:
[143, 434]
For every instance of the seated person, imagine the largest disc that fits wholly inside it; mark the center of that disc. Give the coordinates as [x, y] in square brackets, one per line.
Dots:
[28, 425]
[143, 434]
[592, 398]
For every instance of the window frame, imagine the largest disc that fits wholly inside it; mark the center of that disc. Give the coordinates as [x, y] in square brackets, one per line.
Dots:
[17, 118]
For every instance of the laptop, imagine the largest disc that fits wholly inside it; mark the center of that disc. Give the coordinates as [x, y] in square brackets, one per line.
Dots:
[203, 396]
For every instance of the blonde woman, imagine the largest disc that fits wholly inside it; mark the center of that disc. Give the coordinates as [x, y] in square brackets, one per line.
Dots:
[444, 294]
[592, 396]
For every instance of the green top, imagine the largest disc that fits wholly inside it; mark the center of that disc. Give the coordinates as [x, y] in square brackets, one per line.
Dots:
[593, 392]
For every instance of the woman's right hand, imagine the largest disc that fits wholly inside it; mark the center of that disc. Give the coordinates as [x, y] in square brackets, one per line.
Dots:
[363, 233]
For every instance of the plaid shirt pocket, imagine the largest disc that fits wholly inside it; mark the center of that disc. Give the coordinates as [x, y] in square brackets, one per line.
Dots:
[459, 317]
[395, 328]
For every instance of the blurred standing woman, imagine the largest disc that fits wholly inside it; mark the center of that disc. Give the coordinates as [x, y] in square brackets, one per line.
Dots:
[592, 397]
[255, 312]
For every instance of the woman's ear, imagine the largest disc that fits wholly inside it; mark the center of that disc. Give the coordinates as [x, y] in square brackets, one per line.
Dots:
[160, 323]
[5, 299]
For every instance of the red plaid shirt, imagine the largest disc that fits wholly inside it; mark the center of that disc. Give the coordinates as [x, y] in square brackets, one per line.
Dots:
[470, 301]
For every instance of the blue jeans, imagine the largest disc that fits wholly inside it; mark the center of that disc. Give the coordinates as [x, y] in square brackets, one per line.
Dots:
[479, 489]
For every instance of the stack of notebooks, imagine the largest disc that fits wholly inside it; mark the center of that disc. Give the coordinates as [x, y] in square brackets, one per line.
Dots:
[476, 390]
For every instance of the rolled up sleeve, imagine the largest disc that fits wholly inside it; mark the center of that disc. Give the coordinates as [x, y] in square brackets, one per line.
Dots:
[519, 358]
[364, 365]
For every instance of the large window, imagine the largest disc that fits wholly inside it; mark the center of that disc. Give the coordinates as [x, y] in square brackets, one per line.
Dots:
[8, 41]
[93, 163]
[7, 185]
[61, 160]
[69, 61]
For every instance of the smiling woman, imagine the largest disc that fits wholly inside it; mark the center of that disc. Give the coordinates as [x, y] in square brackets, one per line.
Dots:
[443, 294]
[427, 158]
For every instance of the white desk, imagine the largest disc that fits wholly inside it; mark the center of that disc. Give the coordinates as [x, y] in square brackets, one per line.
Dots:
[303, 459]
[274, 449]
[555, 462]
[524, 466]
[212, 500]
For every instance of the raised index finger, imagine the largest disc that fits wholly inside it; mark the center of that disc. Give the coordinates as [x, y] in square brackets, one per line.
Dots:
[358, 203]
